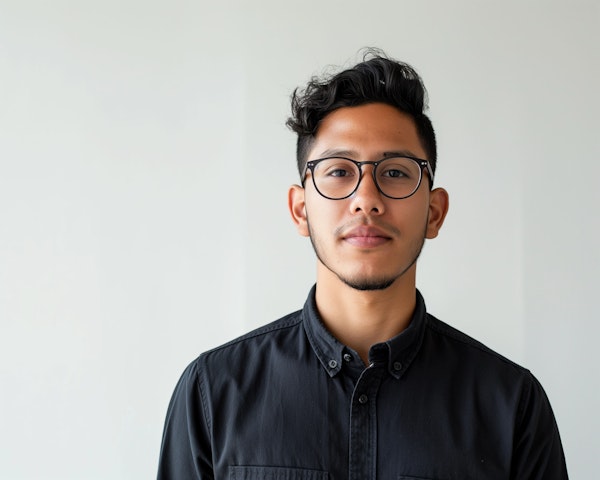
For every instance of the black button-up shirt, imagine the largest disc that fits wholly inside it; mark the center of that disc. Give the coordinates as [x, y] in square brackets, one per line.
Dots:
[290, 402]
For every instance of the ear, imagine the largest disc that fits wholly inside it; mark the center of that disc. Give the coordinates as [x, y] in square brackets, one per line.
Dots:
[438, 208]
[298, 209]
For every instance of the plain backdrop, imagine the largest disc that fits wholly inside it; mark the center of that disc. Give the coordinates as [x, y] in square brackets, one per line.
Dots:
[144, 167]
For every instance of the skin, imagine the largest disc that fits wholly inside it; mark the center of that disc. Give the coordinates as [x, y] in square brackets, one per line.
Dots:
[367, 245]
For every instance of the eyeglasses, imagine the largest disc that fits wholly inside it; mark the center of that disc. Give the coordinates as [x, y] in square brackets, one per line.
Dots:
[337, 178]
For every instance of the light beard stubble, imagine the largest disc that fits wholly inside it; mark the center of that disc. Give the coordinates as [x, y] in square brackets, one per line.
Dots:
[370, 284]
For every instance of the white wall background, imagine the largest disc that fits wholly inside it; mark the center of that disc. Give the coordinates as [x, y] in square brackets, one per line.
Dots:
[144, 165]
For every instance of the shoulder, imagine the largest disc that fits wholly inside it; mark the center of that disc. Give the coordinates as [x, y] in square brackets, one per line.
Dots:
[252, 344]
[452, 356]
[511, 390]
[469, 355]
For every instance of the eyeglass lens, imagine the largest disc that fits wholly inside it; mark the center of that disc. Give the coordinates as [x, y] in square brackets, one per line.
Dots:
[396, 177]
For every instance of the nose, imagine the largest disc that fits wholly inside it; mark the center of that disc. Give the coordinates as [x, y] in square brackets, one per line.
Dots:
[367, 198]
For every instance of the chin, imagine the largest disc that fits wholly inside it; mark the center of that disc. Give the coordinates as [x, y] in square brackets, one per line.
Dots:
[368, 284]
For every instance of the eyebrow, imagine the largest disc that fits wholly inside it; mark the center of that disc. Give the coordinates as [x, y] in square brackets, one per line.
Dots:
[341, 152]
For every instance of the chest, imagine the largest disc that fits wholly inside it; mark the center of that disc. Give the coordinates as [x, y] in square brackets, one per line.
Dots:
[309, 425]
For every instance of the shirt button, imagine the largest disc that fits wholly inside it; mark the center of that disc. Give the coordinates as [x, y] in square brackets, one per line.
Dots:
[363, 399]
[332, 364]
[347, 357]
[397, 366]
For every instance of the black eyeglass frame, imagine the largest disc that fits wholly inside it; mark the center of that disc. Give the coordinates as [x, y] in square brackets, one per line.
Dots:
[423, 164]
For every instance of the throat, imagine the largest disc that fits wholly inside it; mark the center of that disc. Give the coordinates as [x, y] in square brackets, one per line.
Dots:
[362, 318]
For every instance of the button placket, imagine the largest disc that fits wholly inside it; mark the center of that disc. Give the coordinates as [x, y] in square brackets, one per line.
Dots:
[363, 424]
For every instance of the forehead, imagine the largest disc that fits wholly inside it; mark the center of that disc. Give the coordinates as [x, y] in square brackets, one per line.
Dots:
[366, 132]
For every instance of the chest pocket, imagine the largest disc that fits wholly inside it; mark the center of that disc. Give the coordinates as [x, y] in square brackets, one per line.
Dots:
[275, 473]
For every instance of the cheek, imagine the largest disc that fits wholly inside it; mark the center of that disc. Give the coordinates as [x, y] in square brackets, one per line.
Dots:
[418, 204]
[411, 216]
[324, 215]
[320, 224]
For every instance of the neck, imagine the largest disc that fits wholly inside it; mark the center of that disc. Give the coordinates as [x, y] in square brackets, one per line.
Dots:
[360, 319]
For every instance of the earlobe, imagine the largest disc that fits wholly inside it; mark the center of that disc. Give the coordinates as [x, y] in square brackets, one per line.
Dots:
[438, 208]
[298, 209]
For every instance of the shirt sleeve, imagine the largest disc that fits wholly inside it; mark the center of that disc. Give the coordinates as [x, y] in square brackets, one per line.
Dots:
[185, 452]
[538, 452]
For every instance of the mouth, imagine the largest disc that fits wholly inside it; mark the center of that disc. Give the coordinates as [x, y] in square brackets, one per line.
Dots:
[366, 237]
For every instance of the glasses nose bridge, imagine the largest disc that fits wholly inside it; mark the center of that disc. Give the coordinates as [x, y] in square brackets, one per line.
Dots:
[362, 173]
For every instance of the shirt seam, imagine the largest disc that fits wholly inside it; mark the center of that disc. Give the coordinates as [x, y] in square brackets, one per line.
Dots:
[446, 330]
[204, 400]
[524, 398]
[283, 323]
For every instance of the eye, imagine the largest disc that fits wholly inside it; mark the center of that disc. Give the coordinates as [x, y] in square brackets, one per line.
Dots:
[398, 169]
[337, 168]
[394, 173]
[339, 172]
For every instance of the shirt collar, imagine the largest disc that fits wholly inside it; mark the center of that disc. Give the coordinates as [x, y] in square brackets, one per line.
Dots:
[397, 353]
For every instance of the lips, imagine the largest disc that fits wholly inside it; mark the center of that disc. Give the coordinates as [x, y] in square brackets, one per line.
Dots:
[366, 236]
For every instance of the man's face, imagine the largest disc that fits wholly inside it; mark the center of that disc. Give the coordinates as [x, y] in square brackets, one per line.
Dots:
[367, 241]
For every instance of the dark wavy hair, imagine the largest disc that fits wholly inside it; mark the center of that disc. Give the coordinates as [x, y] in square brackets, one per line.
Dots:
[377, 79]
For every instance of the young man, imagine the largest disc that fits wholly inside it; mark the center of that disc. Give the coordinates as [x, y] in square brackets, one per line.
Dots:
[362, 383]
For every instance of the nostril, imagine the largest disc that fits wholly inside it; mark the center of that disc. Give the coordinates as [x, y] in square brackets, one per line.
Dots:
[373, 210]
